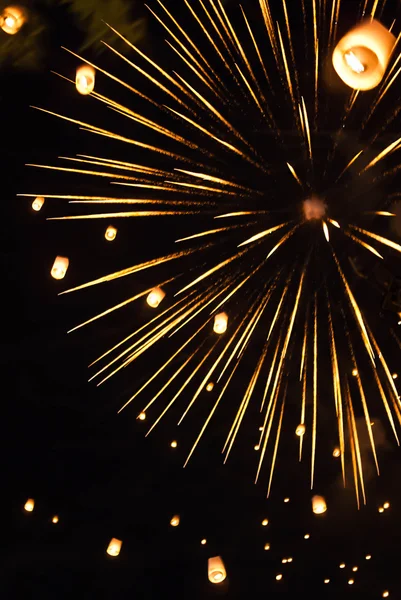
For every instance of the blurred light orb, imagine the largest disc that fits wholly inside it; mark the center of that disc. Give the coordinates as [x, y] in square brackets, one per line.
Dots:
[210, 386]
[203, 542]
[351, 582]
[257, 447]
[306, 536]
[174, 444]
[386, 505]
[342, 566]
[355, 569]
[114, 547]
[381, 509]
[142, 416]
[279, 577]
[290, 559]
[362, 55]
[314, 208]
[55, 519]
[38, 203]
[175, 521]
[336, 452]
[265, 522]
[220, 323]
[85, 79]
[385, 594]
[29, 505]
[59, 268]
[286, 500]
[284, 561]
[266, 547]
[354, 372]
[216, 570]
[155, 297]
[110, 233]
[300, 430]
[319, 505]
[368, 556]
[327, 581]
[12, 19]
[395, 375]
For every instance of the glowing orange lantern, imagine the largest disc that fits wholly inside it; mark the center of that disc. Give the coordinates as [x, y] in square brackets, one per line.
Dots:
[216, 570]
[362, 55]
[114, 547]
[279, 577]
[85, 79]
[175, 521]
[385, 594]
[38, 203]
[12, 19]
[59, 268]
[265, 522]
[336, 452]
[319, 505]
[300, 430]
[354, 372]
[220, 323]
[266, 546]
[155, 297]
[29, 505]
[210, 386]
[203, 542]
[111, 233]
[55, 519]
[142, 416]
[386, 505]
[174, 444]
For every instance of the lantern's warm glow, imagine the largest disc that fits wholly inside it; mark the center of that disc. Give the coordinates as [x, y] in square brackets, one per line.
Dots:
[342, 566]
[55, 519]
[220, 323]
[29, 505]
[350, 582]
[306, 536]
[210, 386]
[279, 577]
[12, 19]
[114, 547]
[395, 375]
[265, 522]
[355, 569]
[300, 430]
[319, 505]
[155, 297]
[354, 372]
[175, 521]
[38, 203]
[59, 268]
[266, 547]
[203, 542]
[327, 581]
[368, 556]
[362, 55]
[174, 444]
[216, 570]
[142, 416]
[286, 500]
[110, 233]
[386, 505]
[385, 594]
[85, 79]
[336, 452]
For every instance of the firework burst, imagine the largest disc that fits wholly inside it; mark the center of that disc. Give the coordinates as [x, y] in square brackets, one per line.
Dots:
[270, 264]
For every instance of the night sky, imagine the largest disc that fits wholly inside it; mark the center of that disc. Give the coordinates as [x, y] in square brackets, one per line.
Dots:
[64, 444]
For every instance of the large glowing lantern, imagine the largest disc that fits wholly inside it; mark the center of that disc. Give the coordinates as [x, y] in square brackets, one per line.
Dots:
[155, 297]
[220, 323]
[85, 79]
[12, 19]
[110, 233]
[319, 505]
[38, 203]
[114, 547]
[59, 268]
[300, 430]
[29, 505]
[362, 55]
[216, 570]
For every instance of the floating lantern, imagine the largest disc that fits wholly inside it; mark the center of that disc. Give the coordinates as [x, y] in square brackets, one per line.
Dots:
[354, 372]
[286, 500]
[12, 19]
[261, 428]
[85, 79]
[266, 547]
[327, 581]
[29, 505]
[265, 522]
[215, 570]
[289, 559]
[386, 505]
[368, 556]
[114, 547]
[362, 55]
[38, 203]
[220, 323]
[59, 268]
[395, 375]
[210, 386]
[174, 444]
[257, 447]
[342, 566]
[385, 594]
[350, 582]
[355, 569]
[142, 416]
[381, 509]
[300, 430]
[110, 233]
[55, 519]
[279, 577]
[155, 297]
[319, 505]
[175, 521]
[306, 536]
[336, 452]
[203, 542]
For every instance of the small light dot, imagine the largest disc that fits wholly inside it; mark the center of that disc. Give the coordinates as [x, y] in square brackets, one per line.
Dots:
[256, 447]
[267, 546]
[279, 576]
[260, 428]
[354, 372]
[306, 536]
[350, 582]
[327, 581]
[386, 505]
[381, 509]
[289, 560]
[286, 500]
[355, 569]
[55, 519]
[336, 452]
[386, 594]
[395, 375]
[203, 542]
[284, 561]
[368, 556]
[210, 386]
[175, 521]
[342, 566]
[265, 522]
[174, 444]
[142, 416]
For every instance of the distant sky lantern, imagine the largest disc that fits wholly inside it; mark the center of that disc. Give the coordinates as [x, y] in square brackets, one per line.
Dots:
[38, 203]
[284, 561]
[216, 570]
[300, 430]
[155, 297]
[12, 19]
[110, 233]
[286, 500]
[385, 594]
[114, 547]
[210, 386]
[306, 536]
[386, 505]
[290, 559]
[368, 556]
[327, 581]
[142, 416]
[381, 509]
[279, 577]
[29, 505]
[319, 505]
[355, 372]
[204, 541]
[256, 447]
[336, 452]
[265, 522]
[85, 79]
[266, 547]
[220, 323]
[174, 444]
[342, 566]
[355, 569]
[55, 519]
[59, 268]
[395, 375]
[362, 55]
[175, 521]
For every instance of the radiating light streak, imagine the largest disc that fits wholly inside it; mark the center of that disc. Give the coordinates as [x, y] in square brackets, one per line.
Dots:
[116, 215]
[91, 160]
[242, 213]
[291, 46]
[381, 155]
[202, 187]
[314, 418]
[282, 241]
[303, 407]
[355, 446]
[258, 315]
[374, 7]
[335, 223]
[110, 200]
[352, 430]
[264, 5]
[351, 162]
[366, 414]
[84, 172]
[263, 234]
[293, 173]
[364, 244]
[326, 231]
[217, 30]
[209, 232]
[252, 93]
[378, 238]
[277, 442]
[387, 407]
[382, 213]
[235, 290]
[278, 310]
[269, 378]
[303, 354]
[386, 369]
[306, 121]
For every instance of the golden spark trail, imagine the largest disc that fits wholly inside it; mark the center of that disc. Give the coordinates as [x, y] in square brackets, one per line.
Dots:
[242, 213]
[326, 231]
[378, 238]
[254, 97]
[351, 162]
[278, 310]
[381, 155]
[83, 172]
[270, 375]
[364, 244]
[335, 223]
[106, 200]
[353, 455]
[303, 349]
[217, 30]
[287, 73]
[219, 180]
[303, 407]
[264, 5]
[386, 369]
[374, 7]
[235, 290]
[291, 46]
[104, 162]
[380, 98]
[259, 313]
[387, 407]
[383, 213]
[256, 48]
[281, 242]
[355, 440]
[202, 187]
[306, 121]
[277, 442]
[209, 232]
[314, 421]
[263, 234]
[141, 213]
[293, 173]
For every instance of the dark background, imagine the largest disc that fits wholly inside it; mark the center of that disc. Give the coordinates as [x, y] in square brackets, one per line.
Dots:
[64, 445]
